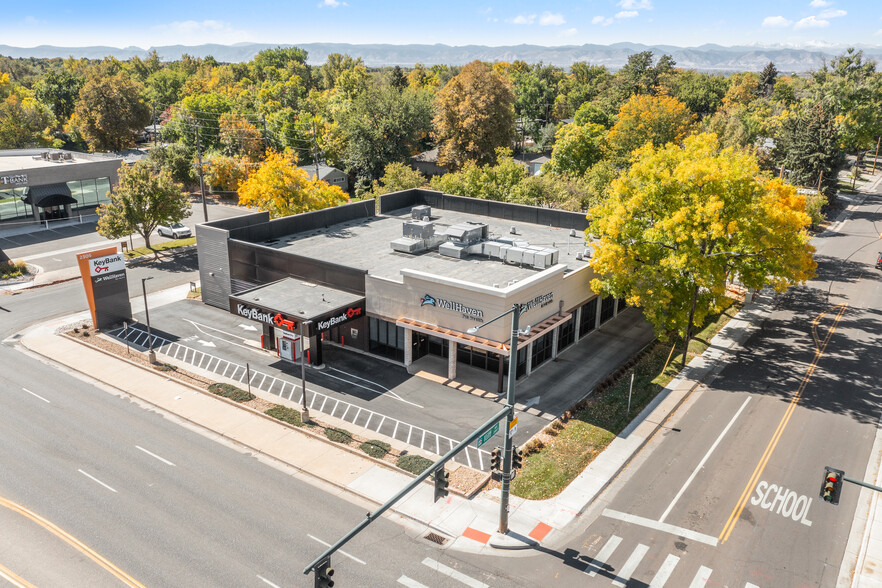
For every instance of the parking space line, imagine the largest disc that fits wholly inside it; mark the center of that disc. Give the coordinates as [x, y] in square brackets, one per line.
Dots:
[423, 440]
[408, 434]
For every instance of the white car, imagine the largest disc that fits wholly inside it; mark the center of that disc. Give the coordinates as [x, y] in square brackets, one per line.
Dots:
[175, 231]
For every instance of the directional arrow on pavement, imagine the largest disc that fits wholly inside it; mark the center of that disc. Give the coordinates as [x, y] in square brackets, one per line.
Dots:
[531, 402]
[207, 343]
[248, 327]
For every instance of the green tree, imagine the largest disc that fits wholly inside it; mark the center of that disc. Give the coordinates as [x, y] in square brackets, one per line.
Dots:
[111, 112]
[474, 115]
[164, 87]
[488, 182]
[24, 120]
[809, 147]
[685, 220]
[576, 148]
[701, 93]
[144, 199]
[177, 160]
[396, 177]
[768, 79]
[60, 89]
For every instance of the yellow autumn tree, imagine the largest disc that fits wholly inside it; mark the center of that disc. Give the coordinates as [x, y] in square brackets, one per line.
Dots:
[650, 119]
[685, 220]
[281, 189]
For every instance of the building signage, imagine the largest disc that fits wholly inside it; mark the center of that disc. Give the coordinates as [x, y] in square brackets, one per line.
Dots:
[263, 316]
[16, 179]
[466, 311]
[104, 266]
[104, 279]
[538, 302]
[345, 316]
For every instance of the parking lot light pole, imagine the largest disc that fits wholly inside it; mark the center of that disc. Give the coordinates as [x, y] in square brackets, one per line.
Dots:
[304, 409]
[151, 355]
[507, 444]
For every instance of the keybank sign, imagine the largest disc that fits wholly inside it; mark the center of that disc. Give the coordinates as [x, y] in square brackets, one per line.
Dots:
[467, 311]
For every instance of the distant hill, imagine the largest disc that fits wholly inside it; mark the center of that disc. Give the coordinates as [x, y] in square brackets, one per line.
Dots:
[710, 58]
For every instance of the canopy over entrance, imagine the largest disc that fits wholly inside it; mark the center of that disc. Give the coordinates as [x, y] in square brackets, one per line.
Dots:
[49, 195]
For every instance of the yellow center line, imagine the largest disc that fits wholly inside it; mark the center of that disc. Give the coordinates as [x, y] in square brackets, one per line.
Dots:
[14, 578]
[820, 346]
[73, 541]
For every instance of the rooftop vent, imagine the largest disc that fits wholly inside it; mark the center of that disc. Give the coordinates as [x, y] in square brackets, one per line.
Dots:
[421, 212]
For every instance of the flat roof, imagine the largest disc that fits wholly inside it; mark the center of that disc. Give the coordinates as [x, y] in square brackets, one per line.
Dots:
[298, 298]
[25, 159]
[366, 244]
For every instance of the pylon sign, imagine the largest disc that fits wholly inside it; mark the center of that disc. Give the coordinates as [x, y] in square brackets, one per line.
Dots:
[107, 290]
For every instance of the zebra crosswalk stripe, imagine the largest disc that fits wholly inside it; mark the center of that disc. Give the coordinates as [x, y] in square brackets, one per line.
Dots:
[701, 577]
[633, 561]
[600, 559]
[410, 582]
[664, 572]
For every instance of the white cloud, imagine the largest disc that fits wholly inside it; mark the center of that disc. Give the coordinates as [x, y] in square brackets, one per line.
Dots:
[331, 3]
[524, 19]
[549, 19]
[832, 13]
[194, 32]
[636, 4]
[601, 20]
[569, 32]
[819, 3]
[776, 22]
[627, 14]
[811, 22]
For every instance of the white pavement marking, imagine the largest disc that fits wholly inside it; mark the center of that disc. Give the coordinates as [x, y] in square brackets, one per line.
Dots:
[383, 393]
[664, 527]
[440, 567]
[340, 551]
[599, 560]
[664, 572]
[749, 585]
[201, 328]
[151, 454]
[93, 478]
[268, 582]
[701, 463]
[633, 561]
[37, 395]
[410, 583]
[701, 577]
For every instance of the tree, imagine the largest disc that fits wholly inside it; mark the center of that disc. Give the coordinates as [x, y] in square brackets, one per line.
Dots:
[144, 199]
[685, 220]
[282, 189]
[397, 176]
[24, 120]
[650, 119]
[111, 112]
[809, 148]
[59, 89]
[576, 148]
[702, 93]
[768, 78]
[177, 160]
[488, 182]
[474, 116]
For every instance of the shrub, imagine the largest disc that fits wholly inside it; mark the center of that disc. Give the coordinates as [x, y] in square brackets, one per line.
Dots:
[165, 367]
[415, 464]
[338, 435]
[285, 414]
[231, 392]
[375, 448]
[13, 269]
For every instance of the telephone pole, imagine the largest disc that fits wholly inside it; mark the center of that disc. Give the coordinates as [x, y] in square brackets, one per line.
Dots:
[201, 175]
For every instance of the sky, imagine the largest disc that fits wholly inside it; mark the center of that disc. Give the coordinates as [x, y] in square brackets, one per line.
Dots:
[683, 23]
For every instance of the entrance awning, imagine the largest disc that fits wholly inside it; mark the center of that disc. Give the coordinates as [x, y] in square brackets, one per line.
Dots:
[542, 328]
[451, 335]
[49, 195]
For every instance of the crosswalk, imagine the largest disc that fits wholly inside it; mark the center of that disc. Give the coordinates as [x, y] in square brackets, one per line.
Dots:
[440, 568]
[603, 565]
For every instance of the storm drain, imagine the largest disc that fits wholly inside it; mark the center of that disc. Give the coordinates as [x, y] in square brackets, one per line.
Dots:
[436, 538]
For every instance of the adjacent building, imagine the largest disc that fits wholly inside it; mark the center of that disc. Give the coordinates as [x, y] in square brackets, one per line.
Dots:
[408, 276]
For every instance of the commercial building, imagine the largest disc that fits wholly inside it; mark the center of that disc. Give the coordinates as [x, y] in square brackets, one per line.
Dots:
[42, 184]
[408, 280]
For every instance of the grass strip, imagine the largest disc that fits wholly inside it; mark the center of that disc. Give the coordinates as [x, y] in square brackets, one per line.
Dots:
[174, 244]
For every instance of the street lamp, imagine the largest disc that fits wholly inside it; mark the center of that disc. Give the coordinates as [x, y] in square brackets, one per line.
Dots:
[304, 410]
[507, 445]
[151, 355]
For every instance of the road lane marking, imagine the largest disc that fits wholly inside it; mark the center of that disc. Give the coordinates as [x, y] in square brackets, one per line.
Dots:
[631, 564]
[96, 480]
[821, 346]
[440, 567]
[599, 560]
[268, 582]
[37, 395]
[340, 551]
[151, 454]
[701, 463]
[790, 504]
[410, 583]
[73, 541]
[701, 577]
[14, 578]
[664, 572]
[664, 527]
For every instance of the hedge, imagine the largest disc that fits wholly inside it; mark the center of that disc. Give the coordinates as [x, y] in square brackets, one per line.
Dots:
[415, 464]
[231, 392]
[338, 435]
[285, 414]
[375, 448]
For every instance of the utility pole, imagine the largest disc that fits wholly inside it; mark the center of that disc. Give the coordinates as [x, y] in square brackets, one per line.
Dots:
[875, 157]
[315, 151]
[201, 175]
[153, 130]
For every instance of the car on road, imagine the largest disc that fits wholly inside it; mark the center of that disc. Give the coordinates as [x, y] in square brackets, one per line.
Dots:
[175, 231]
[879, 260]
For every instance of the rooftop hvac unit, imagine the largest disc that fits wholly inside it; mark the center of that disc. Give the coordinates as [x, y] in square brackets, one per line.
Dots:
[421, 212]
[408, 245]
[450, 249]
[514, 255]
[418, 229]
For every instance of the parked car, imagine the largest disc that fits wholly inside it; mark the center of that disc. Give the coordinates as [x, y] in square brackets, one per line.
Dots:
[879, 260]
[175, 231]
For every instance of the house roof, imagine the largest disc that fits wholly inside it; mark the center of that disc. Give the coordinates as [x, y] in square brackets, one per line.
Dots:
[323, 170]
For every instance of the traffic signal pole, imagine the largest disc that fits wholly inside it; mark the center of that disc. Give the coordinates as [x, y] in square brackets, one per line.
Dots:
[859, 483]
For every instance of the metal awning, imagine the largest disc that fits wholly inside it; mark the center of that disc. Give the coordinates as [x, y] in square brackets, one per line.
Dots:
[542, 328]
[49, 195]
[455, 336]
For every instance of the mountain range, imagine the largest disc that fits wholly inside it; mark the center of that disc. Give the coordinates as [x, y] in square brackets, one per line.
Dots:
[708, 58]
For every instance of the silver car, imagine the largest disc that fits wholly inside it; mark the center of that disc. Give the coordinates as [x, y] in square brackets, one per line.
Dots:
[175, 231]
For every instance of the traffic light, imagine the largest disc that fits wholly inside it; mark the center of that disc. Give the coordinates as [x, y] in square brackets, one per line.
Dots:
[832, 486]
[517, 459]
[496, 459]
[323, 574]
[442, 481]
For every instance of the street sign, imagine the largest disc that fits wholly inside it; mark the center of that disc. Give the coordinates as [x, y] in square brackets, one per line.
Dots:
[488, 435]
[512, 431]
[514, 423]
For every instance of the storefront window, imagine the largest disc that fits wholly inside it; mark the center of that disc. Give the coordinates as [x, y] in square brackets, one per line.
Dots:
[542, 349]
[386, 339]
[607, 309]
[588, 320]
[438, 346]
[11, 205]
[567, 334]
